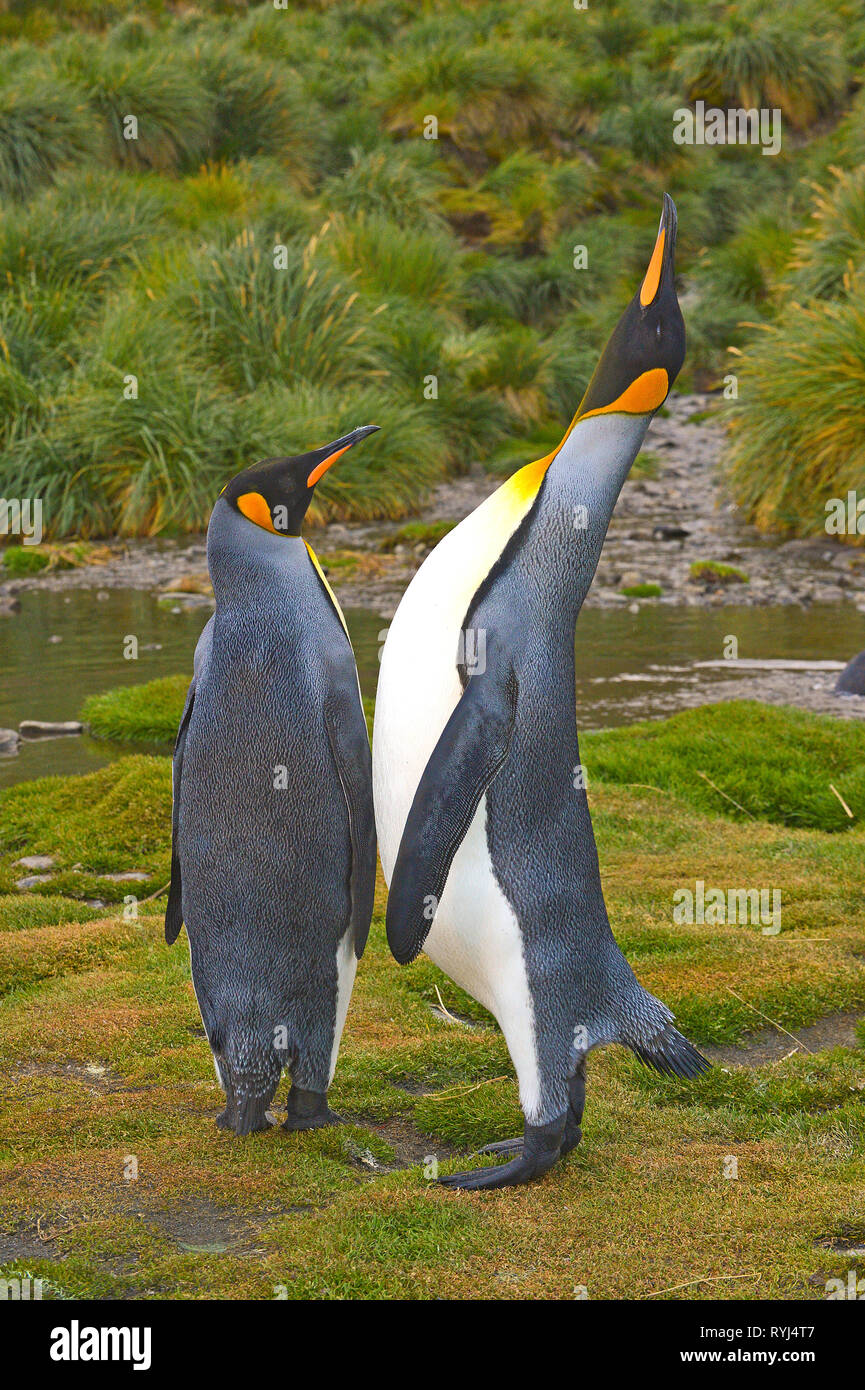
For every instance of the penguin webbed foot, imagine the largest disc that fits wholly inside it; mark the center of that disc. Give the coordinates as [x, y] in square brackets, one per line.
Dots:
[309, 1110]
[504, 1146]
[539, 1150]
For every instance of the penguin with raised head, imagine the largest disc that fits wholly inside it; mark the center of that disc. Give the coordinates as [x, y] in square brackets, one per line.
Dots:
[483, 825]
[273, 832]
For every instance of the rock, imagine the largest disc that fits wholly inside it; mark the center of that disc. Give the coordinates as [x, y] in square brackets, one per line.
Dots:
[54, 639]
[9, 605]
[35, 862]
[852, 679]
[9, 740]
[94, 902]
[131, 876]
[46, 728]
[32, 880]
[187, 600]
[191, 584]
[669, 533]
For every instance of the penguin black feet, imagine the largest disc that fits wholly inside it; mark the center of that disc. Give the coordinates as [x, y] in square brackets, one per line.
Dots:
[576, 1105]
[533, 1149]
[539, 1150]
[248, 1123]
[309, 1110]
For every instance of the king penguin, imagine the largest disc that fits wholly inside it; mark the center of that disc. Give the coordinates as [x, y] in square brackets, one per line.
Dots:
[273, 831]
[484, 828]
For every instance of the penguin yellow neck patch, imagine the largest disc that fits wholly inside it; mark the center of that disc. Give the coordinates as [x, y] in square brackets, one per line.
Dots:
[649, 287]
[323, 577]
[254, 508]
[640, 398]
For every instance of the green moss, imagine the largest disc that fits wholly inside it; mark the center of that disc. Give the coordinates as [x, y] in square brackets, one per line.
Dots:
[24, 559]
[103, 1053]
[22, 911]
[422, 533]
[643, 591]
[109, 821]
[713, 572]
[148, 713]
[776, 763]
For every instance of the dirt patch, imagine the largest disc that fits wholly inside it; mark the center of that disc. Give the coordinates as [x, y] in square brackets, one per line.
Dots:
[192, 1223]
[205, 1229]
[25, 1243]
[99, 1079]
[411, 1148]
[847, 1240]
[770, 1045]
[413, 1086]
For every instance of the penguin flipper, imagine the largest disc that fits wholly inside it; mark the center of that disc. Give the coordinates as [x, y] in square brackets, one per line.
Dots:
[174, 908]
[472, 748]
[349, 743]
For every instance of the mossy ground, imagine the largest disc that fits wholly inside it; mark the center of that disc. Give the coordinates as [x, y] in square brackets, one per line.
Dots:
[787, 762]
[105, 1066]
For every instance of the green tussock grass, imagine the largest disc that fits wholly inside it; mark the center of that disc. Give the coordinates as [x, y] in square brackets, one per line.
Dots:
[102, 1049]
[429, 286]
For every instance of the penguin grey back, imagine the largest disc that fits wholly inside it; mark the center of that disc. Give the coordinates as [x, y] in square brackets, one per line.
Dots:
[273, 865]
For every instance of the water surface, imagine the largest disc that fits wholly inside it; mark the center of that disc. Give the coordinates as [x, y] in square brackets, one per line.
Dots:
[629, 665]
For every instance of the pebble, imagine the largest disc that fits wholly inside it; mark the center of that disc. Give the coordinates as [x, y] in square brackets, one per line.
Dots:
[664, 522]
[32, 880]
[35, 862]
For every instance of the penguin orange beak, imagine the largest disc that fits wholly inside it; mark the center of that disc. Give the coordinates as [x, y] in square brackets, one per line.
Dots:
[661, 262]
[336, 449]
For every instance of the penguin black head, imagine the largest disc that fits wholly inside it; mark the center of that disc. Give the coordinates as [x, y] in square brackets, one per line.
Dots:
[276, 493]
[646, 349]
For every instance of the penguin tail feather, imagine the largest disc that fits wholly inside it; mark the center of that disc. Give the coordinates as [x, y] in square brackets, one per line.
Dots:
[246, 1109]
[672, 1055]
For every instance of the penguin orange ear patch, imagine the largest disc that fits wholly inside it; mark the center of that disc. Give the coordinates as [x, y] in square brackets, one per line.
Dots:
[640, 398]
[255, 508]
[649, 287]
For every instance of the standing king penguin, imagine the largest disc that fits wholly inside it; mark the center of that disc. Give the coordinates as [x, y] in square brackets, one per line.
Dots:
[484, 830]
[273, 831]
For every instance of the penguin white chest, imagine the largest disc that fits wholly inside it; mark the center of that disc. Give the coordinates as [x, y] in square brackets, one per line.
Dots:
[475, 936]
